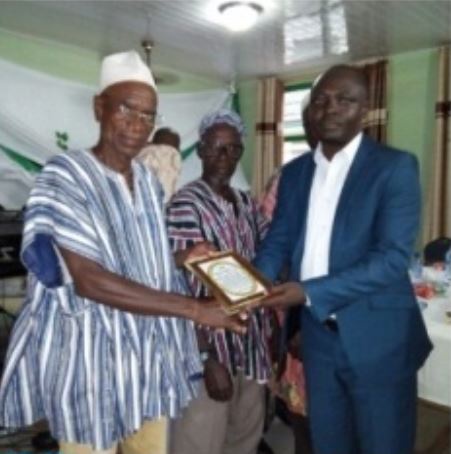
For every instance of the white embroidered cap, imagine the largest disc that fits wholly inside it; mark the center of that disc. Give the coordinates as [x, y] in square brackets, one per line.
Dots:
[124, 67]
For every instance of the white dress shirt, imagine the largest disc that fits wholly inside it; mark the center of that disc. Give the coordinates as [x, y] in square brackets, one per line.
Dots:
[327, 184]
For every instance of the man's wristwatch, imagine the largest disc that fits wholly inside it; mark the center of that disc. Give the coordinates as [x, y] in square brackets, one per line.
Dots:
[204, 355]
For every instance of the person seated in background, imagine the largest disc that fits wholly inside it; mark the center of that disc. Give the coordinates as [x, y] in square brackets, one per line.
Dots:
[227, 416]
[162, 156]
[435, 251]
[101, 348]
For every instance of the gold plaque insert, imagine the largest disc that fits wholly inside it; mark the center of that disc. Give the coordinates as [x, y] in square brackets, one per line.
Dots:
[230, 278]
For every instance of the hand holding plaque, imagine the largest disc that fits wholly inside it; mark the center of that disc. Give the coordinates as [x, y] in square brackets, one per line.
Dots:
[233, 281]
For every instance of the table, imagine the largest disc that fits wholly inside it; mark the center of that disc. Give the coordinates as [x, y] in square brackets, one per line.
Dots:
[434, 378]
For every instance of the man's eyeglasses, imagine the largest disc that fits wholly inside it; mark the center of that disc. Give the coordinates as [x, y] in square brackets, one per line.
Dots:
[233, 150]
[128, 114]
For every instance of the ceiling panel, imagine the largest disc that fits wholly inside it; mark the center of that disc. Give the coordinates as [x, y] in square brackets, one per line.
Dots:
[291, 35]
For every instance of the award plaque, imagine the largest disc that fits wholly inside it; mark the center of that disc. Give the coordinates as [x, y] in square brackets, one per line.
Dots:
[232, 280]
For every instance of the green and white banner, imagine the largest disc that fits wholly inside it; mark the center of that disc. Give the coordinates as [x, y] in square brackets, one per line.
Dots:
[41, 115]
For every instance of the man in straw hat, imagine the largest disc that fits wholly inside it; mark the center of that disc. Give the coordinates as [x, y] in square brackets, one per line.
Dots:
[102, 348]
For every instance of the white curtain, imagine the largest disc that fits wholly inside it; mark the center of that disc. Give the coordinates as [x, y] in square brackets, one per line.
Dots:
[35, 106]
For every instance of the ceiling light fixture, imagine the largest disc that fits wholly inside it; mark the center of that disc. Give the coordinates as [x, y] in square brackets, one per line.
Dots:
[239, 16]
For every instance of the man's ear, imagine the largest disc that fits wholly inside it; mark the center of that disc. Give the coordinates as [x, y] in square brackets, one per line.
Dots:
[99, 106]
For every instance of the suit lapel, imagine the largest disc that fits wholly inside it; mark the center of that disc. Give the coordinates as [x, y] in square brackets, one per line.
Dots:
[357, 174]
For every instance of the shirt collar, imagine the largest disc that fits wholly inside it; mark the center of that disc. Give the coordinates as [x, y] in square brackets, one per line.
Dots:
[348, 151]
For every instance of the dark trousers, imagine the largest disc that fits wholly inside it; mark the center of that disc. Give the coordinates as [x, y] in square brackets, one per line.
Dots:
[348, 416]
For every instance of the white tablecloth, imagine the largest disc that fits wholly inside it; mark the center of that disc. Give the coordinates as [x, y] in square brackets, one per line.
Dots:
[434, 379]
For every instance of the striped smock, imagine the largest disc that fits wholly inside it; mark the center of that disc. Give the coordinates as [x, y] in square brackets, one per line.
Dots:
[95, 372]
[196, 213]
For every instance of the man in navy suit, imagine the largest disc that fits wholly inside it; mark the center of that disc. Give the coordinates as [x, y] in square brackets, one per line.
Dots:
[346, 219]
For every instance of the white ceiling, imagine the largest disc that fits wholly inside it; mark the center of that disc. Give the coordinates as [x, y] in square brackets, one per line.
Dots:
[291, 36]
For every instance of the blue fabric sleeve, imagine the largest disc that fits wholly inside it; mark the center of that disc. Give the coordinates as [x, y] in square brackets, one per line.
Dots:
[41, 259]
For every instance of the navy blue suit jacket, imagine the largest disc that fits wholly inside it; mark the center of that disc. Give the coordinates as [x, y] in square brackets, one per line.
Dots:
[368, 287]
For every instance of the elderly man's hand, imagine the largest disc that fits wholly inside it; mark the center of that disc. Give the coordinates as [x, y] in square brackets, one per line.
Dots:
[284, 295]
[201, 249]
[210, 313]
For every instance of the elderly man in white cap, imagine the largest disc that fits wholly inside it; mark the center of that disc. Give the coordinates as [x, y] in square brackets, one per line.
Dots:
[101, 348]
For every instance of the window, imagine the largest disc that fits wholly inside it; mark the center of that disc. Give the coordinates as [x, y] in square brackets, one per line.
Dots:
[294, 141]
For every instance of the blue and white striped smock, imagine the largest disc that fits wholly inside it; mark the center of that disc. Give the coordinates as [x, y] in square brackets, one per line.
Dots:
[93, 371]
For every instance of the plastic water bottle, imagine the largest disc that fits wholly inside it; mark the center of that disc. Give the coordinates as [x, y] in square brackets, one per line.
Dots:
[416, 267]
